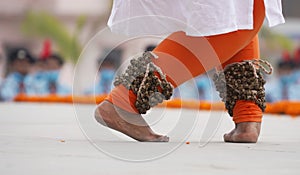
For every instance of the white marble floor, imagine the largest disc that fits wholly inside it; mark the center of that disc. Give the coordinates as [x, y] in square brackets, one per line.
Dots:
[54, 139]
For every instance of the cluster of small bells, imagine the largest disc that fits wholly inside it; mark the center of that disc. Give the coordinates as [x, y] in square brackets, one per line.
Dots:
[240, 81]
[147, 81]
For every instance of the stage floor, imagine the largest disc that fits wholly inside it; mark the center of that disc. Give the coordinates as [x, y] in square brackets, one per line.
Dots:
[54, 139]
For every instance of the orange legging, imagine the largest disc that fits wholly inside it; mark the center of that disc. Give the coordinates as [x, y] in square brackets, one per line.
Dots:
[183, 57]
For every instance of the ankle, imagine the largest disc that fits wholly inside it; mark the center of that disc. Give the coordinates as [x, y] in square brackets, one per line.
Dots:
[246, 111]
[248, 126]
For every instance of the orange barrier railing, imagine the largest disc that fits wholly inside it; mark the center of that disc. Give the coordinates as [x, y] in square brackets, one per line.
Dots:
[61, 99]
[283, 107]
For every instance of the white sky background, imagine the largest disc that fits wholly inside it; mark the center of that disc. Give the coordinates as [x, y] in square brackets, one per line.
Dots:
[60, 7]
[92, 7]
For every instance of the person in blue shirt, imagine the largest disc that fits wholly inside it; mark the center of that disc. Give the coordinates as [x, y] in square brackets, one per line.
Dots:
[204, 87]
[45, 79]
[106, 73]
[54, 64]
[280, 87]
[294, 87]
[19, 62]
[35, 82]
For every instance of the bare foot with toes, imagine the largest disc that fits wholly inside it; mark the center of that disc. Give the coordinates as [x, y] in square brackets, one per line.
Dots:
[246, 132]
[133, 125]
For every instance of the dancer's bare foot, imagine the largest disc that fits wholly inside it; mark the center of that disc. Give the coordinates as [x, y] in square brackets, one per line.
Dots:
[246, 132]
[130, 124]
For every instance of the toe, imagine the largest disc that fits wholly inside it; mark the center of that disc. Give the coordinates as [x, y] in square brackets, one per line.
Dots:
[227, 138]
[158, 138]
[164, 139]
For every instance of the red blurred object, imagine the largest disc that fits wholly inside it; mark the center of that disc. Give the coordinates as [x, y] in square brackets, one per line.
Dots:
[297, 55]
[46, 52]
[286, 56]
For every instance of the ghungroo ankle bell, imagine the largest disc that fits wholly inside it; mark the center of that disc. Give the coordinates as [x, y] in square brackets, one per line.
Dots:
[147, 81]
[242, 81]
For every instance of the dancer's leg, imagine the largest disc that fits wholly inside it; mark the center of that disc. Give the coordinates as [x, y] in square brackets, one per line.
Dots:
[246, 114]
[181, 58]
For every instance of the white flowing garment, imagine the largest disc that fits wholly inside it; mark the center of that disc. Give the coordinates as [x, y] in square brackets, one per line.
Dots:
[195, 17]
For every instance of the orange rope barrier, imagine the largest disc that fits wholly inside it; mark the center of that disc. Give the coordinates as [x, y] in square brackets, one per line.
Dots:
[283, 107]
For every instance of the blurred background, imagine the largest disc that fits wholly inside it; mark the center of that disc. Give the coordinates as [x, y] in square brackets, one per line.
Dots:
[41, 42]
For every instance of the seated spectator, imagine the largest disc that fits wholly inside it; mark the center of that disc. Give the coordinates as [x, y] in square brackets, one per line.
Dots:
[204, 87]
[294, 87]
[281, 87]
[54, 64]
[45, 79]
[19, 62]
[106, 73]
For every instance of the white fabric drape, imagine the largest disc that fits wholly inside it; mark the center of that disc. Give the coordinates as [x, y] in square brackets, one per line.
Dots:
[195, 17]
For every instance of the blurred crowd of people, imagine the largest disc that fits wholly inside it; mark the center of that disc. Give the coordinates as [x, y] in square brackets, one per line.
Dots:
[39, 76]
[36, 76]
[107, 66]
[285, 84]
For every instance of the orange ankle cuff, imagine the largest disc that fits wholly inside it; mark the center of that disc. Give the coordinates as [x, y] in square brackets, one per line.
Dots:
[123, 98]
[246, 111]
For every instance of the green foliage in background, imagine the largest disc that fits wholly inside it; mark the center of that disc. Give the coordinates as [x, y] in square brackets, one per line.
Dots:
[44, 25]
[275, 40]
